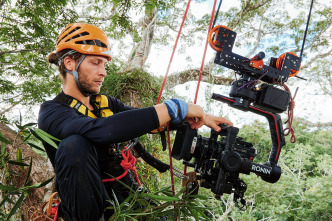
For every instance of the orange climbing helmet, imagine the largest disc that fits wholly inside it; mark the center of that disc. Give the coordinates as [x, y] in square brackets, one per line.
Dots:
[85, 39]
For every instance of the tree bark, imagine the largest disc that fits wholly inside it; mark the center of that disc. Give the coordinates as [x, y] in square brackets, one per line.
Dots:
[41, 171]
[141, 51]
[192, 75]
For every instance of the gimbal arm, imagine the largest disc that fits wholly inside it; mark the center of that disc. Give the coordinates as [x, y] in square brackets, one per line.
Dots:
[270, 171]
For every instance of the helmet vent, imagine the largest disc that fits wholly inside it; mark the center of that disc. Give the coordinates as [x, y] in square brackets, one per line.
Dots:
[63, 32]
[79, 35]
[75, 29]
[92, 42]
[100, 44]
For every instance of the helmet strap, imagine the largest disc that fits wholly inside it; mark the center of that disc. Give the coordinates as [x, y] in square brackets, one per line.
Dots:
[75, 74]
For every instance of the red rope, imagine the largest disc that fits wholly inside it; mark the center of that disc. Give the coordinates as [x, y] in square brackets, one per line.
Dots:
[162, 88]
[170, 159]
[202, 64]
[171, 59]
[128, 163]
[206, 44]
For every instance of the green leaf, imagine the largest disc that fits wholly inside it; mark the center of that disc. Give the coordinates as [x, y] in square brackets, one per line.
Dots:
[4, 200]
[43, 136]
[19, 157]
[29, 125]
[38, 185]
[158, 197]
[198, 197]
[16, 206]
[3, 140]
[29, 172]
[27, 138]
[166, 212]
[36, 146]
[39, 131]
[20, 117]
[7, 188]
[17, 163]
[194, 213]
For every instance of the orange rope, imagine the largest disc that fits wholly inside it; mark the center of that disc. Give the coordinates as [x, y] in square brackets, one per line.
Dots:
[291, 106]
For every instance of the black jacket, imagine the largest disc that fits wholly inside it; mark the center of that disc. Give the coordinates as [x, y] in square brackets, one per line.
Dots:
[60, 120]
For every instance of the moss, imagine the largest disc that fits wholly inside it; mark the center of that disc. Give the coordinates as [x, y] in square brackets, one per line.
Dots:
[136, 88]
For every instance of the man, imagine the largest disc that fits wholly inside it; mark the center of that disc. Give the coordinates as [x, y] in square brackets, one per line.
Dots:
[89, 125]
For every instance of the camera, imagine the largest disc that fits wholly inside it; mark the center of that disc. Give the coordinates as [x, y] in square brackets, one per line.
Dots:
[219, 159]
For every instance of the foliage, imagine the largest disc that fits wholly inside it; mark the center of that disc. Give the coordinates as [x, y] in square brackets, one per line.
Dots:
[136, 88]
[142, 205]
[28, 31]
[13, 193]
[302, 193]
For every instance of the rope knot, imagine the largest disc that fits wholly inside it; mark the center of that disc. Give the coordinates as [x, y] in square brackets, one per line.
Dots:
[291, 105]
[128, 162]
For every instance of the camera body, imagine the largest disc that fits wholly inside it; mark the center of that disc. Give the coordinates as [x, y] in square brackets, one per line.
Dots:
[221, 158]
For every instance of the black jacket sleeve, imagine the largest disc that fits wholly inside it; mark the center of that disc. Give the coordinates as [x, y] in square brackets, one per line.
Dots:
[61, 121]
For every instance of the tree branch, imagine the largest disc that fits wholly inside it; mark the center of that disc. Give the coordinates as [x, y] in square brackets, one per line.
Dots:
[258, 38]
[9, 108]
[6, 99]
[192, 74]
[142, 49]
[318, 35]
[21, 50]
[312, 60]
[246, 8]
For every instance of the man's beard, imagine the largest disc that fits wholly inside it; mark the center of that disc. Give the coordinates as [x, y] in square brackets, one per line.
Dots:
[86, 87]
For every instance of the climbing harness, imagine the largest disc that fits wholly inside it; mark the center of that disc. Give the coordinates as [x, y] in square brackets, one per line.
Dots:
[103, 110]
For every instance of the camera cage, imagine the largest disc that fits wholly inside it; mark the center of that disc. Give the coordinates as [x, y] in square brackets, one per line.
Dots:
[225, 159]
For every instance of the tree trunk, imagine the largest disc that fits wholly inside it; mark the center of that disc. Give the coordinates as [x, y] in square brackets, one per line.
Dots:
[41, 171]
[141, 51]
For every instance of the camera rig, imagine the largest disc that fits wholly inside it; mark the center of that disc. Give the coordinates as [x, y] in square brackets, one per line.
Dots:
[219, 159]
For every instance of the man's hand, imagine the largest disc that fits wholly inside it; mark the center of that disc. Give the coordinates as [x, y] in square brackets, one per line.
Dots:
[197, 118]
[214, 121]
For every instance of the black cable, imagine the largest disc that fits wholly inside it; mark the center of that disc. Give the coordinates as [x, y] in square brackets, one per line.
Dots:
[306, 30]
[215, 18]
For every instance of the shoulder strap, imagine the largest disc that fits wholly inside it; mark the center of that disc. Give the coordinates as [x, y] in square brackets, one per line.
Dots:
[75, 104]
[101, 102]
[81, 108]
[103, 105]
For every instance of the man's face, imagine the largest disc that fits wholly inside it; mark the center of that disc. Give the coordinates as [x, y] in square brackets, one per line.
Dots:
[91, 73]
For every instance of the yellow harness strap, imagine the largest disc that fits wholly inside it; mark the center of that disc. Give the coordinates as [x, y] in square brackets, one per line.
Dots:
[101, 104]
